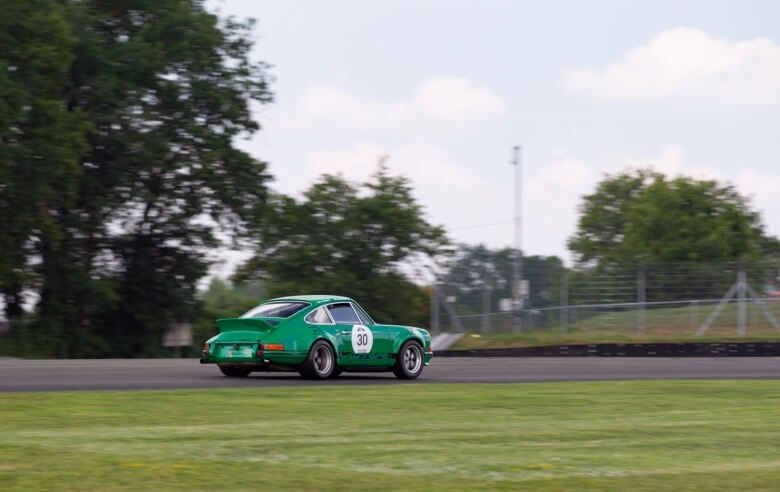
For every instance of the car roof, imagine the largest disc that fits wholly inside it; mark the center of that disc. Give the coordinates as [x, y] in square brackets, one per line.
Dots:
[314, 299]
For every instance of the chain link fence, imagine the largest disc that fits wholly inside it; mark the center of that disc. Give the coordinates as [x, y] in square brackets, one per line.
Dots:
[655, 299]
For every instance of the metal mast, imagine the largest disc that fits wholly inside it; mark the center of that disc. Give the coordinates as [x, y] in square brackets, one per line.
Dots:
[517, 280]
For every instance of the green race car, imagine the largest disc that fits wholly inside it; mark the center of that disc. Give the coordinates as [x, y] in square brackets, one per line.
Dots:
[318, 336]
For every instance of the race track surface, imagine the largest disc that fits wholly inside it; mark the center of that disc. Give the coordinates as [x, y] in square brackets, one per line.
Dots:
[138, 374]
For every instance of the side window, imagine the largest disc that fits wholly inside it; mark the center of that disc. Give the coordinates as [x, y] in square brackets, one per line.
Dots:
[319, 316]
[363, 318]
[343, 314]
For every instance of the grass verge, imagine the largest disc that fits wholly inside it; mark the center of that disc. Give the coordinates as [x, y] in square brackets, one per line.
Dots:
[642, 435]
[541, 338]
[674, 324]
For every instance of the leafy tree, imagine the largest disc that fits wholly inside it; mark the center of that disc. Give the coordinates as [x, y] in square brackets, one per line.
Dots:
[473, 269]
[41, 142]
[686, 219]
[641, 216]
[604, 216]
[152, 176]
[476, 268]
[347, 239]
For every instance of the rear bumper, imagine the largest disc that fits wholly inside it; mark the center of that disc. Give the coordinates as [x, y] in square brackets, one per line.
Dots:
[283, 357]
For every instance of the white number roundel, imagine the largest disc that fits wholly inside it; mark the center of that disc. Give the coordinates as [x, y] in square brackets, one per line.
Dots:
[362, 339]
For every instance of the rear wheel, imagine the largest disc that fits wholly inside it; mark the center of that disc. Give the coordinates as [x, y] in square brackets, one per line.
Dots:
[409, 364]
[320, 363]
[235, 372]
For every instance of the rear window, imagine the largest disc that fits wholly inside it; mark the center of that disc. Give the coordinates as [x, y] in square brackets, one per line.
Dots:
[275, 310]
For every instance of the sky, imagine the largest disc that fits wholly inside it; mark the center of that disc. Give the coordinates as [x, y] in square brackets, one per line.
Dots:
[447, 88]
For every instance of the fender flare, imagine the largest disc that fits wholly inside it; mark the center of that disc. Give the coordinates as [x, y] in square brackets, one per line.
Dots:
[398, 344]
[324, 336]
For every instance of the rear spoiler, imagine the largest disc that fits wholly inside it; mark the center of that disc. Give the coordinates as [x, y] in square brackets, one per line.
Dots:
[246, 324]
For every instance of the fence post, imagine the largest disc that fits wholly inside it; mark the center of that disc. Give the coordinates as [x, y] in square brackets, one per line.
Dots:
[641, 294]
[753, 314]
[564, 313]
[741, 291]
[435, 309]
[485, 309]
[694, 307]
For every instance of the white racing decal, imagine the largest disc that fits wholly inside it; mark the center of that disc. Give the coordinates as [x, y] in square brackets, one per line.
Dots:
[362, 339]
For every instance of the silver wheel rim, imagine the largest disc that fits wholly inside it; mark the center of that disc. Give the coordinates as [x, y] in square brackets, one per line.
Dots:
[412, 359]
[323, 359]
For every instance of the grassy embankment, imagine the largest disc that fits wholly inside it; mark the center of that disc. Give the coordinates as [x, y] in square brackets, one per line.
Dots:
[645, 435]
[677, 324]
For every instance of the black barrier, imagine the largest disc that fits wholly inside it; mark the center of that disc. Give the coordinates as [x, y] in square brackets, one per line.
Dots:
[767, 349]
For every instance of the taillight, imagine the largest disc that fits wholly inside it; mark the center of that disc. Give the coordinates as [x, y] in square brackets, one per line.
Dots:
[267, 346]
[206, 348]
[428, 349]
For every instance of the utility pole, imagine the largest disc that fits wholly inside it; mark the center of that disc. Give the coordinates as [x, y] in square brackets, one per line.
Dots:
[517, 280]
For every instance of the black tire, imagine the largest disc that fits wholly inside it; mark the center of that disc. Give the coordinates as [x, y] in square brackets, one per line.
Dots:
[235, 372]
[320, 363]
[410, 361]
[336, 372]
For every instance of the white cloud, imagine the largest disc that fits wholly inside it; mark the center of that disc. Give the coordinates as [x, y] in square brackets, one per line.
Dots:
[418, 132]
[454, 99]
[440, 100]
[687, 64]
[426, 165]
[564, 172]
[357, 162]
[756, 183]
[671, 161]
[346, 109]
[551, 196]
[764, 190]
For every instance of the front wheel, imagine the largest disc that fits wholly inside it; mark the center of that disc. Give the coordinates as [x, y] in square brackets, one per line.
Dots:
[235, 372]
[409, 364]
[320, 363]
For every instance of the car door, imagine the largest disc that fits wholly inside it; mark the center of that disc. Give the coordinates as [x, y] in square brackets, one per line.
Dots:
[359, 344]
[383, 336]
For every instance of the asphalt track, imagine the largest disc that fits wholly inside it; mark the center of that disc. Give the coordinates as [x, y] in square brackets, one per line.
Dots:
[149, 374]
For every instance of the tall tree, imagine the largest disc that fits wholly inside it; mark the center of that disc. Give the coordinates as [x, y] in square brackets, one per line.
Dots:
[165, 87]
[641, 215]
[41, 141]
[474, 269]
[348, 239]
[604, 216]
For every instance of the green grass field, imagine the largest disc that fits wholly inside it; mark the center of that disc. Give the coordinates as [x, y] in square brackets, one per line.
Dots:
[646, 435]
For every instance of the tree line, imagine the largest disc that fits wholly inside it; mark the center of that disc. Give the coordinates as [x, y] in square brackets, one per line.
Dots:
[119, 176]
